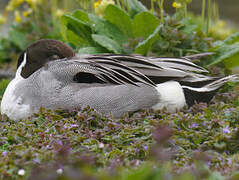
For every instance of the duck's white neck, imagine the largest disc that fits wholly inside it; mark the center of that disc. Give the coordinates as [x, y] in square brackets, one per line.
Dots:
[13, 105]
[19, 69]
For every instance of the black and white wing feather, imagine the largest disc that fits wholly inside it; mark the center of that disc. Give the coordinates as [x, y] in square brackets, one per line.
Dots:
[160, 70]
[98, 70]
[124, 69]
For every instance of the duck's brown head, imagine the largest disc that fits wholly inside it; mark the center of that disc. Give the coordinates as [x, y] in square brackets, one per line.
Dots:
[41, 52]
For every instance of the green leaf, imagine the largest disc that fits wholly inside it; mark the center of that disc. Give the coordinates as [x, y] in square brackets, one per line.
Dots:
[81, 15]
[18, 38]
[107, 43]
[190, 25]
[74, 39]
[232, 61]
[143, 47]
[232, 39]
[108, 29]
[136, 7]
[144, 24]
[90, 50]
[189, 29]
[120, 18]
[227, 54]
[227, 51]
[78, 27]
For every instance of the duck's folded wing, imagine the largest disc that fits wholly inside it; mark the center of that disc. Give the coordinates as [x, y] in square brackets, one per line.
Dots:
[162, 69]
[83, 70]
[136, 61]
[122, 69]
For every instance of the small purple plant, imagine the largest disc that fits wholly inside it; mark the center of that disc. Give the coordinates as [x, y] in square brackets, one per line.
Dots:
[226, 130]
[4, 153]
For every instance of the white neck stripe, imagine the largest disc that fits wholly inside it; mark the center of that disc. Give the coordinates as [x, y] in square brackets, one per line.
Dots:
[19, 69]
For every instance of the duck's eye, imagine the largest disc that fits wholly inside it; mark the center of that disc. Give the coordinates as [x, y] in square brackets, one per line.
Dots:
[54, 57]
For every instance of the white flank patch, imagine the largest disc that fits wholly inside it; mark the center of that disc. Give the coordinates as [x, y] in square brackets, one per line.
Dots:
[11, 105]
[171, 96]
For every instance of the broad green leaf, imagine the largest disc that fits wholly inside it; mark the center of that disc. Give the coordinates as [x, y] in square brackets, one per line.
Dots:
[104, 27]
[63, 30]
[120, 18]
[232, 61]
[144, 24]
[216, 44]
[190, 25]
[81, 15]
[190, 29]
[72, 38]
[143, 47]
[227, 54]
[18, 38]
[136, 7]
[107, 43]
[232, 39]
[90, 50]
[78, 27]
[227, 51]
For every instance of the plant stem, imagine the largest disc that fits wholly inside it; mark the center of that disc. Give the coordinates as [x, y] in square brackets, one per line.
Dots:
[208, 15]
[53, 9]
[65, 5]
[118, 3]
[215, 11]
[91, 5]
[161, 11]
[152, 6]
[128, 7]
[203, 9]
[185, 10]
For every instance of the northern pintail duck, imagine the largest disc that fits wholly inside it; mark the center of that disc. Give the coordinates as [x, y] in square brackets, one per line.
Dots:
[50, 75]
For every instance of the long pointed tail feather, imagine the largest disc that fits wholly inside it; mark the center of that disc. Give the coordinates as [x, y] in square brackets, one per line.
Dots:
[215, 84]
[206, 92]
